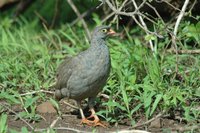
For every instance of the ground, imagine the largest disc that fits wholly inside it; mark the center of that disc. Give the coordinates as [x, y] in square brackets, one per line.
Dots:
[70, 121]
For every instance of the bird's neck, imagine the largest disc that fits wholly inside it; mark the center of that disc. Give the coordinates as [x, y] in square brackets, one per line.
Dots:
[97, 42]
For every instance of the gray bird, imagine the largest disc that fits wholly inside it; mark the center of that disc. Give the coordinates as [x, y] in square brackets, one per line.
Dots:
[85, 75]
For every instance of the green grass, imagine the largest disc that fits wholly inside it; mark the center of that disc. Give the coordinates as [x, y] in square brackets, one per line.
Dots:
[140, 84]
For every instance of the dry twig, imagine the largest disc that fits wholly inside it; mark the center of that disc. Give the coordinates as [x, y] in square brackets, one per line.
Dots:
[143, 24]
[158, 15]
[55, 14]
[131, 131]
[119, 9]
[197, 51]
[63, 128]
[54, 122]
[17, 115]
[41, 18]
[132, 14]
[188, 128]
[116, 11]
[149, 121]
[33, 92]
[79, 131]
[72, 106]
[165, 1]
[86, 13]
[105, 96]
[79, 16]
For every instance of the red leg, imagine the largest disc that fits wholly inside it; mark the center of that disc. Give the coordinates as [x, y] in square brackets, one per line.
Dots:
[96, 121]
[84, 120]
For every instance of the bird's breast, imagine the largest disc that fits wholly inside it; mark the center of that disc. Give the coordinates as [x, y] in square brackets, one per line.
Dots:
[100, 60]
[95, 66]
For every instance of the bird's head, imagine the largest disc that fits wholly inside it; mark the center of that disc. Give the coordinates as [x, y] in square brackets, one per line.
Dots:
[101, 32]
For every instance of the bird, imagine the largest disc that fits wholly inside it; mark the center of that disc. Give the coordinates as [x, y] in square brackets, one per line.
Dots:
[84, 75]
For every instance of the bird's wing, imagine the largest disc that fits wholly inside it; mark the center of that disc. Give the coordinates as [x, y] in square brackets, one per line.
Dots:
[88, 75]
[64, 72]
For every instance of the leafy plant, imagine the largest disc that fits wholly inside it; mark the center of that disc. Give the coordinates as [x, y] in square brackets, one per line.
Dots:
[3, 123]
[141, 85]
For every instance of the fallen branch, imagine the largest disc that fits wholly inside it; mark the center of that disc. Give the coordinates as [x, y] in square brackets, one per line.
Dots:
[130, 131]
[62, 128]
[184, 51]
[80, 131]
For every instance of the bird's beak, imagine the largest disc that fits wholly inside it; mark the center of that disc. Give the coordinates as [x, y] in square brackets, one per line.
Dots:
[111, 32]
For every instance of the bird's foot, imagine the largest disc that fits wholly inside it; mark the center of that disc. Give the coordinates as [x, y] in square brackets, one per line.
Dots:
[99, 123]
[96, 121]
[93, 123]
[86, 121]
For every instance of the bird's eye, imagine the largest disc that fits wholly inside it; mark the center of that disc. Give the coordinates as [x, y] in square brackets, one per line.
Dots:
[104, 30]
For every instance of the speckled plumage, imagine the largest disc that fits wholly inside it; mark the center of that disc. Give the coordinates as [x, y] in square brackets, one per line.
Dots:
[85, 75]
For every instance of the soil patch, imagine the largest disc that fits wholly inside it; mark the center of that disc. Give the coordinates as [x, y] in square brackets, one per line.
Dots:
[70, 122]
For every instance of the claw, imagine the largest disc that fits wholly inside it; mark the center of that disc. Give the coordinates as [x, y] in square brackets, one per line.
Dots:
[96, 121]
[99, 123]
[86, 121]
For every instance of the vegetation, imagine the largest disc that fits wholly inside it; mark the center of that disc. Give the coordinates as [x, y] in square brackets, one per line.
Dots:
[142, 83]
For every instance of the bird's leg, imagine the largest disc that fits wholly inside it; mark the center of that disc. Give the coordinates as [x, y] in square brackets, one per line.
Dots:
[96, 121]
[84, 120]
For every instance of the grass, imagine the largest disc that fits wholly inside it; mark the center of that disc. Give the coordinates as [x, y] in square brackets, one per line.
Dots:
[140, 84]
